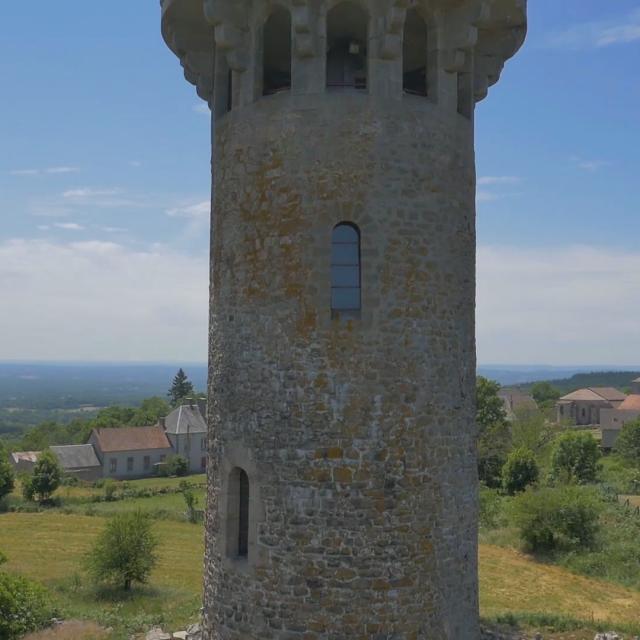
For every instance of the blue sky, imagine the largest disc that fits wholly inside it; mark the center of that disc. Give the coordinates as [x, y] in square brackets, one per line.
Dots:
[104, 180]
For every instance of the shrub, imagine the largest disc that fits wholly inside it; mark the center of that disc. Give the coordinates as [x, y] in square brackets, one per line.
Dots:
[557, 518]
[628, 443]
[520, 470]
[109, 490]
[7, 478]
[490, 508]
[24, 606]
[125, 550]
[177, 465]
[575, 457]
[46, 478]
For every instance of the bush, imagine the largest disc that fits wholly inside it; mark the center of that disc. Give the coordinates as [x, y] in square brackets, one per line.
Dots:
[554, 519]
[628, 443]
[109, 490]
[176, 465]
[24, 607]
[520, 470]
[7, 478]
[575, 457]
[125, 550]
[490, 508]
[46, 478]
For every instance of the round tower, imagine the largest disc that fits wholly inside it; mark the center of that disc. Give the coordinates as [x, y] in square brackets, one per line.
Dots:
[342, 466]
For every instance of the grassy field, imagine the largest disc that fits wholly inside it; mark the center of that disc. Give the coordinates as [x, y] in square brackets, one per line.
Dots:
[509, 581]
[54, 552]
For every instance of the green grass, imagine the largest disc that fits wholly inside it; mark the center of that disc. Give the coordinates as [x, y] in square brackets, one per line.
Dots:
[50, 547]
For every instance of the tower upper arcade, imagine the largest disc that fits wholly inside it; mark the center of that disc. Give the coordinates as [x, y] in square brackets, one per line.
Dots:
[447, 51]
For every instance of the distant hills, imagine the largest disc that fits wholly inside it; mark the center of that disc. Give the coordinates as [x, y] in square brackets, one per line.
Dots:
[68, 386]
[49, 386]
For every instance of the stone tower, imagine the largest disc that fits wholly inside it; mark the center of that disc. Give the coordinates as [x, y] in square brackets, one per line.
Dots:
[342, 475]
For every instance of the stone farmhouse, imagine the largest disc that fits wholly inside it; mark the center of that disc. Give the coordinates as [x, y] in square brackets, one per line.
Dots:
[612, 420]
[132, 452]
[583, 407]
[516, 402]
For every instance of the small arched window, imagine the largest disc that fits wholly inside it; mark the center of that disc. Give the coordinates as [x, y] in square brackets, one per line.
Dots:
[414, 54]
[277, 52]
[345, 268]
[238, 514]
[347, 46]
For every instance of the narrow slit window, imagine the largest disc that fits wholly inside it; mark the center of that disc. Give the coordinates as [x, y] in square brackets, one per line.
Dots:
[345, 268]
[277, 53]
[243, 514]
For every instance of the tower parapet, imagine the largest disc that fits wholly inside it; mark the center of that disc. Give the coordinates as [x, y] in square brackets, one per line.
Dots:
[342, 475]
[450, 50]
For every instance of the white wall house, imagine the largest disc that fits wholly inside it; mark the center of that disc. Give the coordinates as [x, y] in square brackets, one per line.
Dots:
[186, 429]
[130, 452]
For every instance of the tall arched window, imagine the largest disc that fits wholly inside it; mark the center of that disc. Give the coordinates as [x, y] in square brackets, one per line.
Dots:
[243, 516]
[414, 54]
[238, 514]
[345, 268]
[277, 52]
[347, 46]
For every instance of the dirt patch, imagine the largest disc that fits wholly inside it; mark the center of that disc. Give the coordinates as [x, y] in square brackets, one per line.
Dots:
[71, 630]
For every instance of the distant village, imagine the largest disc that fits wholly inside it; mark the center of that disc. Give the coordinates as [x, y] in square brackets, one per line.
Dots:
[133, 452]
[605, 409]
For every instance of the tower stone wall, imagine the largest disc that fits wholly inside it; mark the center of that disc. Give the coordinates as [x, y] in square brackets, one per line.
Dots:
[342, 443]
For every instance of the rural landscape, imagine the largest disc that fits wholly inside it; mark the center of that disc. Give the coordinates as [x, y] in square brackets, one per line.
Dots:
[559, 521]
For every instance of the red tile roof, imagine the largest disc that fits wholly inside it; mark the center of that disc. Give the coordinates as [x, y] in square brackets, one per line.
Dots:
[632, 403]
[131, 439]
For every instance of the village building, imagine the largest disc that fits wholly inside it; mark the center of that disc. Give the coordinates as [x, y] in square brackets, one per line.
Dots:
[186, 430]
[612, 420]
[23, 461]
[79, 460]
[130, 452]
[583, 407]
[516, 402]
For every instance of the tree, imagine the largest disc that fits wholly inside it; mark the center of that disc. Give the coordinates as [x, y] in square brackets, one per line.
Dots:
[45, 479]
[544, 393]
[190, 500]
[494, 435]
[575, 457]
[519, 471]
[149, 412]
[628, 442]
[531, 430]
[125, 551]
[181, 387]
[7, 478]
[556, 518]
[176, 465]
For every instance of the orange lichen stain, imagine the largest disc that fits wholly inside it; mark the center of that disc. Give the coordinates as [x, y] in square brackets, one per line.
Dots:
[321, 382]
[343, 475]
[306, 323]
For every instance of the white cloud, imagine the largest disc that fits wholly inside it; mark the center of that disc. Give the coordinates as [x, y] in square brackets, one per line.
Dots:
[487, 195]
[69, 226]
[99, 300]
[202, 108]
[56, 170]
[493, 180]
[598, 34]
[48, 170]
[569, 305]
[198, 211]
[589, 165]
[89, 193]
